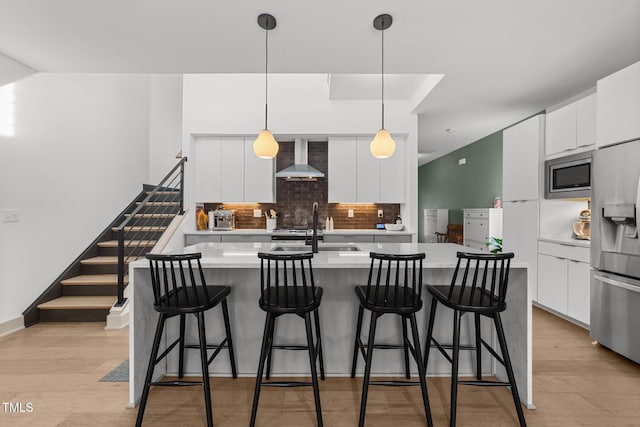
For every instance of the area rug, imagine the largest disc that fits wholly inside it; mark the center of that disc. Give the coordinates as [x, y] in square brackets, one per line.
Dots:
[118, 374]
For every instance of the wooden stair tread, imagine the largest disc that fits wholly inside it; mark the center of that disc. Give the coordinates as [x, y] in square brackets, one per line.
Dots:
[79, 302]
[106, 260]
[94, 279]
[142, 228]
[156, 203]
[174, 192]
[152, 215]
[128, 243]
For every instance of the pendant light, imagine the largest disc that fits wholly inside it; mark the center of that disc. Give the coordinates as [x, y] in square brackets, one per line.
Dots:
[382, 146]
[265, 146]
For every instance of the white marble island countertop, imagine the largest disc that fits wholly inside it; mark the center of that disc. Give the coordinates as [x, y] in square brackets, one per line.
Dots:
[353, 255]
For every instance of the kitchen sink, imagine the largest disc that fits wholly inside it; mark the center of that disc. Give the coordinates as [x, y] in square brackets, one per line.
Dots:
[320, 248]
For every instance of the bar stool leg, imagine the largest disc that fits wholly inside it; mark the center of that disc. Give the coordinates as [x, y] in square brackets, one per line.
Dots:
[319, 341]
[227, 327]
[407, 371]
[150, 368]
[367, 368]
[181, 345]
[270, 350]
[356, 346]
[509, 368]
[312, 363]
[432, 318]
[478, 347]
[205, 368]
[454, 366]
[421, 370]
[261, 362]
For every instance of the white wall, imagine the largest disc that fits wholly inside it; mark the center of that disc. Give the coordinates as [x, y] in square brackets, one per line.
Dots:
[298, 105]
[78, 157]
[165, 124]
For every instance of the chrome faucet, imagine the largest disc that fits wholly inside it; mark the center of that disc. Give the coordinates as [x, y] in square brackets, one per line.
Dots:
[314, 236]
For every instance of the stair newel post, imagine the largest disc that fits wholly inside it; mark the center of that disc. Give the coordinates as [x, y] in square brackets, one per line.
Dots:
[121, 299]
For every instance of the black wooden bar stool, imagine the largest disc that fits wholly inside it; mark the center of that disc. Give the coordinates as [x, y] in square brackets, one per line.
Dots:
[394, 287]
[287, 287]
[479, 286]
[179, 288]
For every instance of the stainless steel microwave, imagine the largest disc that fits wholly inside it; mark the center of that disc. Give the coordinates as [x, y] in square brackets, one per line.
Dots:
[568, 177]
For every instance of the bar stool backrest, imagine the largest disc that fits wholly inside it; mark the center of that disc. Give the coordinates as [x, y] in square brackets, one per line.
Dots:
[285, 281]
[481, 280]
[178, 281]
[395, 280]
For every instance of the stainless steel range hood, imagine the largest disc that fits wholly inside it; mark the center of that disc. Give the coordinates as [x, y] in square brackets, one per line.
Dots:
[300, 171]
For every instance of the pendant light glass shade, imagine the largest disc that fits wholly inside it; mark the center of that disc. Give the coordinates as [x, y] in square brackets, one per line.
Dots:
[265, 146]
[382, 146]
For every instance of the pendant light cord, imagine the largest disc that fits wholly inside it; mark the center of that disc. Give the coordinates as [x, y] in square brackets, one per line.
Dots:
[266, 85]
[382, 77]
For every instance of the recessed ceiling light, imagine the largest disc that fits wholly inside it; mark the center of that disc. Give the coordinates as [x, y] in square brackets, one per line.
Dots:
[449, 130]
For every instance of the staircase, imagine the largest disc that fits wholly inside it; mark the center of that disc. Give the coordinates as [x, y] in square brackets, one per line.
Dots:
[89, 287]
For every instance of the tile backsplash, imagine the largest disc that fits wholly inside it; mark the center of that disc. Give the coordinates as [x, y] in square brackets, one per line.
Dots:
[294, 199]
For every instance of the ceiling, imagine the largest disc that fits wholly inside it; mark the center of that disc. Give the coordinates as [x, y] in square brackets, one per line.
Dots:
[502, 60]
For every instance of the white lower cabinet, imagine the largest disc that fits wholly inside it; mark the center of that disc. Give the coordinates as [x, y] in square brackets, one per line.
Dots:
[579, 290]
[552, 282]
[564, 280]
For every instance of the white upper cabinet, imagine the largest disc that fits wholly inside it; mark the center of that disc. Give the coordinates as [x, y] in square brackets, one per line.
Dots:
[367, 172]
[342, 170]
[561, 130]
[259, 180]
[232, 170]
[586, 117]
[619, 106]
[206, 170]
[355, 176]
[392, 175]
[572, 127]
[521, 148]
[241, 177]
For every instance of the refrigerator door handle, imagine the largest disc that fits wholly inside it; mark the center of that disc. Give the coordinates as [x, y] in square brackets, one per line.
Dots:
[617, 283]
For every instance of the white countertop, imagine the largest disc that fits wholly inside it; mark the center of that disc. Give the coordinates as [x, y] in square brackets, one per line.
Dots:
[244, 255]
[566, 241]
[263, 231]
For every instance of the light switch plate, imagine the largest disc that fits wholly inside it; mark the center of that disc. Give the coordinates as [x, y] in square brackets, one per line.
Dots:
[380, 213]
[11, 215]
[350, 213]
[257, 213]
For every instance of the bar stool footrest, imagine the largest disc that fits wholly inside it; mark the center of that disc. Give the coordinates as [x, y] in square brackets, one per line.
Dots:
[287, 384]
[395, 383]
[176, 383]
[485, 383]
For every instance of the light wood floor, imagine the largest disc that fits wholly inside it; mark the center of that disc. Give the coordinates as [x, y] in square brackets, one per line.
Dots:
[56, 367]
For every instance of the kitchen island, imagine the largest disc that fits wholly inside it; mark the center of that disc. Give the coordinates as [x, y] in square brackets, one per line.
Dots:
[337, 271]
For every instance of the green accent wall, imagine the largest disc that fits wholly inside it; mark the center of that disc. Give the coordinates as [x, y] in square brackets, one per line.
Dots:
[443, 183]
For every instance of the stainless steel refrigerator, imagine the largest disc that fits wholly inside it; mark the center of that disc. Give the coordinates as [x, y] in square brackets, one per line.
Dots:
[615, 248]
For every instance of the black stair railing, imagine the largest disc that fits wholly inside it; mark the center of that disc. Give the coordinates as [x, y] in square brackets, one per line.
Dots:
[148, 219]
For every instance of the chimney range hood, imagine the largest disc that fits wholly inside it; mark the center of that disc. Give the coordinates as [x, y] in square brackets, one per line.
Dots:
[300, 171]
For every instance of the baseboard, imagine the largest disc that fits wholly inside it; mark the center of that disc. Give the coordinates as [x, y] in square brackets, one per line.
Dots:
[11, 326]
[118, 317]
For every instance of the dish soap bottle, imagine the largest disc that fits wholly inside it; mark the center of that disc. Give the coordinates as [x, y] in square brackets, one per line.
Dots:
[331, 223]
[327, 224]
